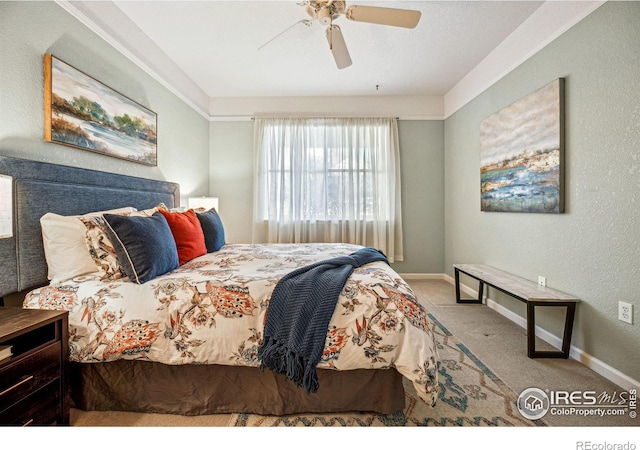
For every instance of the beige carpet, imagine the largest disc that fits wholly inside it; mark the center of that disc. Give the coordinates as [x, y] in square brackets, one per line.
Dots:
[81, 418]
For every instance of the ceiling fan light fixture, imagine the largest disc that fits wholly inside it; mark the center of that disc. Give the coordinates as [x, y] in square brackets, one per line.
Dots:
[324, 16]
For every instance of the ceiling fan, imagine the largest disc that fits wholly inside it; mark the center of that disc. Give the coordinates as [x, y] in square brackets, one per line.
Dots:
[325, 12]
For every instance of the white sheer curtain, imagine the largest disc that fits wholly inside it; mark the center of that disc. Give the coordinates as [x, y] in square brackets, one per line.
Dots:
[328, 180]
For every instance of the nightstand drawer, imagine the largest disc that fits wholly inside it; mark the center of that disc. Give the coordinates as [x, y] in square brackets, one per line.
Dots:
[40, 408]
[28, 374]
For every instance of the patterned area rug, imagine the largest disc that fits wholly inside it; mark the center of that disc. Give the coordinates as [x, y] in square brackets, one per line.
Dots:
[470, 395]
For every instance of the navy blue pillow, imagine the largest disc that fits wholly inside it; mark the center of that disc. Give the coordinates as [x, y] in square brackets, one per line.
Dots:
[144, 245]
[212, 229]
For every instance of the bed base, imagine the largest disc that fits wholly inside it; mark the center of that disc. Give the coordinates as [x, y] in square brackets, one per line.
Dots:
[143, 386]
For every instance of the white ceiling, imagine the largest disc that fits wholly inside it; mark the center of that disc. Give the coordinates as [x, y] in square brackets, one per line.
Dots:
[212, 47]
[216, 43]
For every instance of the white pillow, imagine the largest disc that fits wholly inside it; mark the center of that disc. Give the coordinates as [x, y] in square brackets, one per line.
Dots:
[65, 247]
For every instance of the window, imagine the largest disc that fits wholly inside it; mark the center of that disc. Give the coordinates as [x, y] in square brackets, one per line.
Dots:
[328, 180]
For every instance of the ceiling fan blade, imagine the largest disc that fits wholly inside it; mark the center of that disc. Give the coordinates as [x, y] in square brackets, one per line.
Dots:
[405, 18]
[338, 46]
[306, 22]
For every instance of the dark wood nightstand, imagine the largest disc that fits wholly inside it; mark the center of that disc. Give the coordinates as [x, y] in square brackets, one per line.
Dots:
[33, 381]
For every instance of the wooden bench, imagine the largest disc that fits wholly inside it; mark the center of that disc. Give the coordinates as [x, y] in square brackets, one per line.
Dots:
[527, 292]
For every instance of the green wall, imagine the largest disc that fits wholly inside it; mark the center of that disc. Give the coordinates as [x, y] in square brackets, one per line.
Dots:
[231, 170]
[592, 250]
[28, 30]
[422, 171]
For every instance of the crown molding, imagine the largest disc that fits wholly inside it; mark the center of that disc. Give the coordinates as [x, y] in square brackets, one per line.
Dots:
[546, 24]
[145, 53]
[405, 107]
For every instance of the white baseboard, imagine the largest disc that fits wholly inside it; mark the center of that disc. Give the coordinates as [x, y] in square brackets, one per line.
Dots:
[610, 373]
[422, 276]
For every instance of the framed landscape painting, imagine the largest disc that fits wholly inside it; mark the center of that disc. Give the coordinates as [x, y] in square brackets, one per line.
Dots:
[522, 154]
[81, 112]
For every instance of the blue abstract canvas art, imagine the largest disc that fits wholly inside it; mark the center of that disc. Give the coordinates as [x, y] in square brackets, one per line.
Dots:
[521, 154]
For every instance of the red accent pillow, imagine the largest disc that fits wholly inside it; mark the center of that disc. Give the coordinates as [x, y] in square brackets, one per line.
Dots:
[187, 232]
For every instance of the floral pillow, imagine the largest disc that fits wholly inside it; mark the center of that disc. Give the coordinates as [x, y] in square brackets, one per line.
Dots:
[148, 212]
[101, 249]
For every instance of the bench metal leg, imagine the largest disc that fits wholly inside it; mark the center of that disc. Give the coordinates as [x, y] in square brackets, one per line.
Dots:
[566, 337]
[468, 300]
[568, 328]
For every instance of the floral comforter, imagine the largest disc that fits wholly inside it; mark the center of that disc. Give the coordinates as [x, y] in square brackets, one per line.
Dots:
[212, 309]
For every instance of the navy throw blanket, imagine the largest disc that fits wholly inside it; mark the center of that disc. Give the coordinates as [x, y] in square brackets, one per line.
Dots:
[300, 309]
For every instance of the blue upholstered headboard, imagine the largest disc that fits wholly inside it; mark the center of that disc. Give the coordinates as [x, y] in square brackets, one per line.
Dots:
[40, 187]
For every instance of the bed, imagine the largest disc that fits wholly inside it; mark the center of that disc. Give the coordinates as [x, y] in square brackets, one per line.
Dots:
[187, 341]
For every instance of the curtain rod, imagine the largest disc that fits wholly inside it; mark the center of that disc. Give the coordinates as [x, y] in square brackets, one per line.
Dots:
[240, 118]
[323, 117]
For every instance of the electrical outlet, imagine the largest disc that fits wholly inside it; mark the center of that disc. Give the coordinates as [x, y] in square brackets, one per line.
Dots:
[542, 281]
[625, 312]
